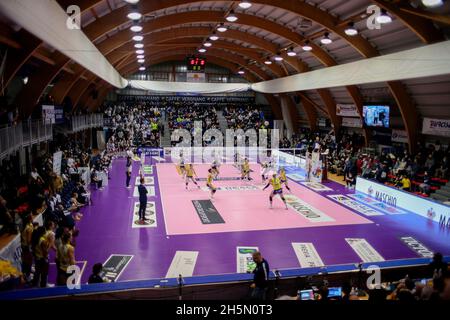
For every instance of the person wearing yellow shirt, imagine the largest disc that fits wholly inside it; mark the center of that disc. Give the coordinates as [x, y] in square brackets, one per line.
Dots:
[277, 189]
[190, 173]
[283, 178]
[209, 183]
[405, 183]
[245, 170]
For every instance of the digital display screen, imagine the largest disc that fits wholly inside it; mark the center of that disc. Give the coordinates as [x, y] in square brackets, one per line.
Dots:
[334, 292]
[306, 295]
[196, 64]
[376, 116]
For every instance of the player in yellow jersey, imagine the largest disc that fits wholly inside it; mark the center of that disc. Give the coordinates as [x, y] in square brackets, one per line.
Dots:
[190, 173]
[245, 170]
[215, 168]
[277, 189]
[283, 178]
[209, 183]
[182, 167]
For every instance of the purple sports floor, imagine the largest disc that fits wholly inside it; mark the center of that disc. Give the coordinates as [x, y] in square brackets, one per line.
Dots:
[107, 226]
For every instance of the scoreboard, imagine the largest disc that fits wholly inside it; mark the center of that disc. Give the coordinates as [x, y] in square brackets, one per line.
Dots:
[196, 64]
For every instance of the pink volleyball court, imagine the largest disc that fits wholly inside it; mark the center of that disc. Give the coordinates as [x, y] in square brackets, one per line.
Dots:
[243, 210]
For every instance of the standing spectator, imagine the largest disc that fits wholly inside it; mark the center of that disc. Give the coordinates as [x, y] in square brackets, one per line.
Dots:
[142, 200]
[66, 258]
[129, 167]
[260, 278]
[41, 247]
[438, 265]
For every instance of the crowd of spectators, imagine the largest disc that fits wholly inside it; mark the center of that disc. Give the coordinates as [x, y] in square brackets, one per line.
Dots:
[131, 125]
[245, 117]
[44, 207]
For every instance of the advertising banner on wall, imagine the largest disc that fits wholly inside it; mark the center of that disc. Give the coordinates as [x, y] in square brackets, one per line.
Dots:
[437, 127]
[429, 209]
[316, 168]
[352, 122]
[347, 110]
[399, 136]
[195, 77]
[48, 113]
[13, 253]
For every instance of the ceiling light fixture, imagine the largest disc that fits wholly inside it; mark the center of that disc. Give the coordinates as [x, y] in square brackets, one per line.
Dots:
[140, 51]
[384, 18]
[134, 15]
[291, 52]
[268, 62]
[141, 56]
[278, 57]
[214, 37]
[142, 68]
[231, 17]
[132, 1]
[326, 39]
[432, 3]
[207, 44]
[222, 28]
[141, 61]
[307, 46]
[202, 50]
[136, 28]
[351, 30]
[138, 38]
[139, 45]
[241, 72]
[245, 4]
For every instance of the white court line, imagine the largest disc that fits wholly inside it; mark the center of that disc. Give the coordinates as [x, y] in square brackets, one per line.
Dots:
[162, 201]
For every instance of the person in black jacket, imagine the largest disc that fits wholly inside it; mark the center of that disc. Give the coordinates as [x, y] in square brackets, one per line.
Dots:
[142, 200]
[128, 171]
[260, 278]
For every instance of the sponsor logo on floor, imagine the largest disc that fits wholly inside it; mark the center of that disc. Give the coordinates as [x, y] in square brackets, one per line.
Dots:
[295, 177]
[377, 205]
[115, 265]
[182, 263]
[316, 186]
[150, 214]
[207, 213]
[148, 181]
[150, 189]
[234, 188]
[307, 255]
[355, 205]
[417, 247]
[306, 210]
[364, 250]
[147, 169]
[244, 259]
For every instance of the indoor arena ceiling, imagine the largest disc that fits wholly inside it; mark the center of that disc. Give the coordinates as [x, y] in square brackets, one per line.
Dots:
[173, 29]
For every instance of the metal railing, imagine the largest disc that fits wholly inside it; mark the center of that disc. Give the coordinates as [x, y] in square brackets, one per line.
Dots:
[83, 122]
[24, 134]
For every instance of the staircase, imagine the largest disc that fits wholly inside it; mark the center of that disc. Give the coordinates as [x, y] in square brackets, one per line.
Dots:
[443, 194]
[223, 124]
[165, 139]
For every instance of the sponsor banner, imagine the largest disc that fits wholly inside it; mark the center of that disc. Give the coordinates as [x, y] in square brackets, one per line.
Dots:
[193, 99]
[307, 255]
[364, 250]
[150, 189]
[207, 213]
[400, 199]
[182, 263]
[235, 188]
[222, 179]
[437, 127]
[151, 152]
[148, 181]
[295, 177]
[12, 252]
[417, 247]
[159, 159]
[59, 115]
[399, 136]
[316, 168]
[355, 205]
[48, 114]
[57, 158]
[377, 205]
[352, 122]
[347, 110]
[306, 210]
[147, 169]
[115, 265]
[150, 214]
[316, 186]
[244, 259]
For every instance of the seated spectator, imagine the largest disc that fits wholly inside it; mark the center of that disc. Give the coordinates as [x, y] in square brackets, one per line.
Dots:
[405, 183]
[95, 276]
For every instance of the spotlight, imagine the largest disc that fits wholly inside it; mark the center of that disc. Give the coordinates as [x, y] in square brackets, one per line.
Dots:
[25, 80]
[245, 4]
